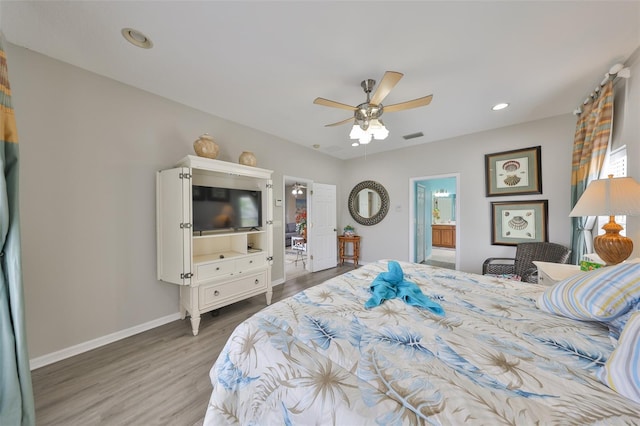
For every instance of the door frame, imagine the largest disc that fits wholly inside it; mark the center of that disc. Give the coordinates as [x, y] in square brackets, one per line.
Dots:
[412, 212]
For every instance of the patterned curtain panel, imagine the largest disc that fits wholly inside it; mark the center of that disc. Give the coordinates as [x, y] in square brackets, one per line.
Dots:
[16, 395]
[590, 144]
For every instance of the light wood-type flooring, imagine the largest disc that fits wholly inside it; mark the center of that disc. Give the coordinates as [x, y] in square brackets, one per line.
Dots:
[158, 377]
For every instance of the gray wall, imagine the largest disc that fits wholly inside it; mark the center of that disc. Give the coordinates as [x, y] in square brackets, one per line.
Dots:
[90, 148]
[465, 155]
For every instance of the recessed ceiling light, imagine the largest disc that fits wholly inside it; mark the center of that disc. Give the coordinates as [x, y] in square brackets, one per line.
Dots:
[136, 38]
[500, 106]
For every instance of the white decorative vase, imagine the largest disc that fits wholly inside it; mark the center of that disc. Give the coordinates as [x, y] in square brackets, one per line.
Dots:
[248, 159]
[204, 146]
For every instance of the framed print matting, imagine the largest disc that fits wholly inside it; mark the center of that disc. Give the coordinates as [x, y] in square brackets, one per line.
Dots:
[514, 222]
[514, 172]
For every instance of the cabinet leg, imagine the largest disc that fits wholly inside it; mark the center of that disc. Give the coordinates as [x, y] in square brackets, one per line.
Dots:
[183, 311]
[269, 293]
[195, 324]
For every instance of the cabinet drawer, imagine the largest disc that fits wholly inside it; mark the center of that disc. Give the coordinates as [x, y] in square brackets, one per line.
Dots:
[205, 271]
[250, 262]
[231, 291]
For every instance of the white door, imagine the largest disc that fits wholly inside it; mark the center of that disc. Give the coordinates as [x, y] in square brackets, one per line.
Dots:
[322, 231]
[420, 222]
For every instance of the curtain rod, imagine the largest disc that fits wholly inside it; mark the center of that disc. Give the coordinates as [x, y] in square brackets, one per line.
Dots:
[615, 72]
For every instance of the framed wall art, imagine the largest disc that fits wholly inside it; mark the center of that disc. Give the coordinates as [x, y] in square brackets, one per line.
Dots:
[514, 222]
[514, 172]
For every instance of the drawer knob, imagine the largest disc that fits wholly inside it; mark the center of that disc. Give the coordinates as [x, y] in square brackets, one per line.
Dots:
[251, 261]
[257, 281]
[217, 268]
[216, 293]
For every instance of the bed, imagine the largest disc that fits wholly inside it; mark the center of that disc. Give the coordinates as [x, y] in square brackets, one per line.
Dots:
[493, 357]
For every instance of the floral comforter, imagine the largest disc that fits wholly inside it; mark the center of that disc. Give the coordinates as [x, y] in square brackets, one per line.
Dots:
[321, 358]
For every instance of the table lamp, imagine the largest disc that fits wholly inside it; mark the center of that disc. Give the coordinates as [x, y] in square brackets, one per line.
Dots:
[610, 197]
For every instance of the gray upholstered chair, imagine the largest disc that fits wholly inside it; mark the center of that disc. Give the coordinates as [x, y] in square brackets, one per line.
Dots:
[289, 231]
[522, 265]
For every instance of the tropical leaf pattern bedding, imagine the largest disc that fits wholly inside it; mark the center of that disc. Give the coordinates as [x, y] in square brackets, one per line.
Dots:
[321, 358]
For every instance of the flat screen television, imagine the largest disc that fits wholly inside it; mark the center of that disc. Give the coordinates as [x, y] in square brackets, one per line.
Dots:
[225, 208]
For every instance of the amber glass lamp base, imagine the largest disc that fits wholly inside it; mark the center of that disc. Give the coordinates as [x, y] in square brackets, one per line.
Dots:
[612, 247]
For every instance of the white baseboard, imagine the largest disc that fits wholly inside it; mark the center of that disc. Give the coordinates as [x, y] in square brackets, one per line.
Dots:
[41, 361]
[277, 282]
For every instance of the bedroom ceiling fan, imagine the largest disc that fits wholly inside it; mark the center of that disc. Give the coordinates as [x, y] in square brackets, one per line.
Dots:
[366, 116]
[296, 189]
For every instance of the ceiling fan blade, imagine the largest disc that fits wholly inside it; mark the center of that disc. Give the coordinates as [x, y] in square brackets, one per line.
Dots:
[334, 104]
[424, 101]
[389, 80]
[339, 123]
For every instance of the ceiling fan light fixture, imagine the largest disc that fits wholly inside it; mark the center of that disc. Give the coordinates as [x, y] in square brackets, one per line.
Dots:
[365, 138]
[296, 189]
[366, 116]
[359, 130]
[356, 132]
[378, 130]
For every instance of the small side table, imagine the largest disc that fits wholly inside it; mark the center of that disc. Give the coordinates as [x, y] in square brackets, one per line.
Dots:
[299, 244]
[342, 242]
[550, 273]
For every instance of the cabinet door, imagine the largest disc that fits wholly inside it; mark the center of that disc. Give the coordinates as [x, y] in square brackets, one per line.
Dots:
[447, 237]
[173, 199]
[436, 236]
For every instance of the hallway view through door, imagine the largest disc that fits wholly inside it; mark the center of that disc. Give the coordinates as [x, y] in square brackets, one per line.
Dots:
[434, 237]
[310, 226]
[295, 219]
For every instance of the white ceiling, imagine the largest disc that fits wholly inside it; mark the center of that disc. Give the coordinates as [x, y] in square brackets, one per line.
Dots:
[262, 63]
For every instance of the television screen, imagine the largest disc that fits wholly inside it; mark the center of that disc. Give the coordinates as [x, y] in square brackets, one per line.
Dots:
[225, 208]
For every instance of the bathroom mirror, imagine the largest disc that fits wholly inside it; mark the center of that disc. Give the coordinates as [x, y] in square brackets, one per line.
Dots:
[444, 209]
[368, 202]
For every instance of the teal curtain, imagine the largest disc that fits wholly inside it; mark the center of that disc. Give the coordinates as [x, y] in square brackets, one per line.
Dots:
[590, 145]
[16, 395]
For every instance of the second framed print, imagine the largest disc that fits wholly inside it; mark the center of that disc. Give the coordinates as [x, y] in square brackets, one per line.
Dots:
[514, 222]
[513, 172]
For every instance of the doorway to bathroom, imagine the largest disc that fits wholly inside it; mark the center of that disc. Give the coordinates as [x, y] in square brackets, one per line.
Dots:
[435, 228]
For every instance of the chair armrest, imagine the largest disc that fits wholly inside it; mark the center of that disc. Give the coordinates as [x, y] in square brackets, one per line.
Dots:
[499, 265]
[530, 275]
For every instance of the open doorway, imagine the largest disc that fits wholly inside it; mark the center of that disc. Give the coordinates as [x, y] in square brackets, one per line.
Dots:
[435, 228]
[296, 247]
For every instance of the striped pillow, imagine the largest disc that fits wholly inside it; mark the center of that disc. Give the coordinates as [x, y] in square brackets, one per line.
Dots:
[622, 370]
[617, 325]
[599, 295]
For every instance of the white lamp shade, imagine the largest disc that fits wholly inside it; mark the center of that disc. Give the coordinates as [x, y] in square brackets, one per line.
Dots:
[377, 129]
[356, 132]
[609, 197]
[365, 138]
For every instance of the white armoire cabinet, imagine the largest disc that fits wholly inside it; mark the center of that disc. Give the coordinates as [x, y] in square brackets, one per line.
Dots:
[215, 268]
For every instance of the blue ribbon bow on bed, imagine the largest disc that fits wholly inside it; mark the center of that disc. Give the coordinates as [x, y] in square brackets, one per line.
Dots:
[391, 284]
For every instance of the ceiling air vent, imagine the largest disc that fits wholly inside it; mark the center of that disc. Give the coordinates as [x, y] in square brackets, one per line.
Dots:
[413, 136]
